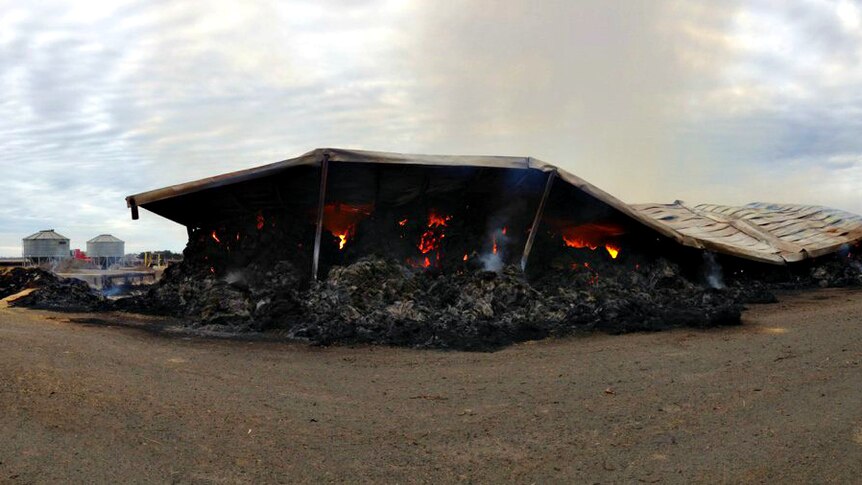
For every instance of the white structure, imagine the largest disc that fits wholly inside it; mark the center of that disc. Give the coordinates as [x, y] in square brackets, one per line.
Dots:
[45, 245]
[106, 249]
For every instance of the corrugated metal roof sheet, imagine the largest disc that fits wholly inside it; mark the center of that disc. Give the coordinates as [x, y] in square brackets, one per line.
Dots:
[777, 233]
[45, 234]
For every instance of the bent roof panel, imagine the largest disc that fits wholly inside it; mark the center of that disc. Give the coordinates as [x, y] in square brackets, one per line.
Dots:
[769, 232]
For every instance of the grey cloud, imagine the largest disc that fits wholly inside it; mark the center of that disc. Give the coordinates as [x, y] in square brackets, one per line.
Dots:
[636, 96]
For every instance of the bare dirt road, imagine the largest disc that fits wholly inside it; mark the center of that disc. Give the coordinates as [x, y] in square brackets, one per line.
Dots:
[777, 400]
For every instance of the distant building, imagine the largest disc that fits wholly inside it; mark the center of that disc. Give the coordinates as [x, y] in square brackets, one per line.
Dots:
[45, 245]
[105, 250]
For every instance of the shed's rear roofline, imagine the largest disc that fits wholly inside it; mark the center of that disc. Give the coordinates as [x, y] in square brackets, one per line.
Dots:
[335, 155]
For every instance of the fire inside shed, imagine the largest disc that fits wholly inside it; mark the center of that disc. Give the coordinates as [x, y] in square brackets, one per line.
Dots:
[331, 207]
[466, 252]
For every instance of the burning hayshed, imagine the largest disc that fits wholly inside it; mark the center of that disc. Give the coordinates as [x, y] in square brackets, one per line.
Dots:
[331, 207]
[466, 252]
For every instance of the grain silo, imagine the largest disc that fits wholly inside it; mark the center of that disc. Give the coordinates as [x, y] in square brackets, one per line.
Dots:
[45, 245]
[105, 249]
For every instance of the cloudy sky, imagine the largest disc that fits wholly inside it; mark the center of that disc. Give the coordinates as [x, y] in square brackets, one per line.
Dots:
[726, 102]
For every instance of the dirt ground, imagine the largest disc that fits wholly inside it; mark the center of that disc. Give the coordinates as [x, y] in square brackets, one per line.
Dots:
[777, 400]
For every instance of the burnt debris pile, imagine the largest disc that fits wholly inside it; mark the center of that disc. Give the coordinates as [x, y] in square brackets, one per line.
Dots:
[379, 300]
[47, 291]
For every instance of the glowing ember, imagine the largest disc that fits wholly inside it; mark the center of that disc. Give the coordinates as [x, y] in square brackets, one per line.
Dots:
[495, 247]
[260, 221]
[215, 237]
[465, 256]
[613, 250]
[430, 240]
[402, 222]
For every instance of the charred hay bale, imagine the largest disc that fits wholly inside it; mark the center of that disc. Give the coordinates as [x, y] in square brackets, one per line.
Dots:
[623, 312]
[51, 292]
[654, 296]
[663, 274]
[275, 293]
[15, 280]
[358, 302]
[752, 291]
[219, 303]
[367, 285]
[487, 310]
[837, 272]
[381, 301]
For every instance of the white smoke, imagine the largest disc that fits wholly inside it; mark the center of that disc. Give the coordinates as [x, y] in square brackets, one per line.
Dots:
[712, 271]
[492, 260]
[233, 277]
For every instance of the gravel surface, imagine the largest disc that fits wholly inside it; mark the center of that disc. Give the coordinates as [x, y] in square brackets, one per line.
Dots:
[777, 400]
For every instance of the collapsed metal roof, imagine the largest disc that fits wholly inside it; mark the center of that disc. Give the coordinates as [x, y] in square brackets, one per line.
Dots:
[770, 233]
[777, 233]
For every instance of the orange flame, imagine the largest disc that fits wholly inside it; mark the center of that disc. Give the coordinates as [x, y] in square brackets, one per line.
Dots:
[435, 220]
[341, 219]
[465, 256]
[592, 236]
[215, 237]
[576, 242]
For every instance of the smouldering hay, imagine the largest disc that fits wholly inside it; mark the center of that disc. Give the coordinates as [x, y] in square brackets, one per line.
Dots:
[376, 300]
[382, 301]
